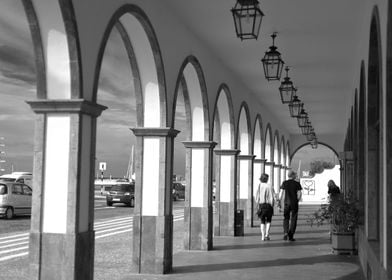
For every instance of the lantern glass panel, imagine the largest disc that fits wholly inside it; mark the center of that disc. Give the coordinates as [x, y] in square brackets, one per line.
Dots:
[302, 119]
[295, 107]
[287, 90]
[273, 65]
[286, 93]
[306, 129]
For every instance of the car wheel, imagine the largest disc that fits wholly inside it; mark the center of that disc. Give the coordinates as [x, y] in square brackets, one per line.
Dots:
[9, 213]
[109, 203]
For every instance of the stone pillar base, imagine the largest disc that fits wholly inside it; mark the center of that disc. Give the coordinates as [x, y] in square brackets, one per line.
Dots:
[197, 236]
[152, 244]
[69, 256]
[226, 226]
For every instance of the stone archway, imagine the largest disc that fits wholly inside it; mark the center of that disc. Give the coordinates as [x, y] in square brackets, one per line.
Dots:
[245, 165]
[373, 132]
[361, 139]
[387, 254]
[283, 163]
[315, 168]
[277, 165]
[225, 159]
[63, 165]
[151, 214]
[198, 195]
[268, 155]
[258, 151]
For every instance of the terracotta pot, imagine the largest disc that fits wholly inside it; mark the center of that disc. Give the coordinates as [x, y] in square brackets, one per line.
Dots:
[343, 242]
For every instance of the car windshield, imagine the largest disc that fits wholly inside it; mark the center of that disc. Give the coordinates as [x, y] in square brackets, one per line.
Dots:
[3, 189]
[123, 188]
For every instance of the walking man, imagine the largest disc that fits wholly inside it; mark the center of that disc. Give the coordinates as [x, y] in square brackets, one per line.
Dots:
[291, 190]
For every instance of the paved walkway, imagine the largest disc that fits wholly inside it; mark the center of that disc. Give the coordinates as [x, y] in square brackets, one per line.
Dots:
[233, 258]
[308, 258]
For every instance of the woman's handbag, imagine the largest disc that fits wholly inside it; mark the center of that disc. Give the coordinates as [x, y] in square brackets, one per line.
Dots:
[258, 212]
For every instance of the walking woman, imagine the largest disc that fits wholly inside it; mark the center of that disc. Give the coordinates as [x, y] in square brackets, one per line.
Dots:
[265, 199]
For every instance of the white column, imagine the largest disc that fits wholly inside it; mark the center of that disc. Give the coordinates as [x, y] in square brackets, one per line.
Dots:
[62, 234]
[153, 220]
[198, 195]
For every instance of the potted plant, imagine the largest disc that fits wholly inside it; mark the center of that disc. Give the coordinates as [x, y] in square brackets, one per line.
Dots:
[342, 213]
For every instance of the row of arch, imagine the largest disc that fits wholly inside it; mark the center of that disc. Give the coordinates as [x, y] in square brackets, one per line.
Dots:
[367, 153]
[67, 81]
[250, 138]
[149, 81]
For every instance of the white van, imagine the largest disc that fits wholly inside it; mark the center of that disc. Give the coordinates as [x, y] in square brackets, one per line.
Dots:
[20, 177]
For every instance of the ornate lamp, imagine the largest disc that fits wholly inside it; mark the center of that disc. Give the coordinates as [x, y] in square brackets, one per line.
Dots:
[306, 128]
[286, 89]
[311, 135]
[272, 62]
[314, 143]
[295, 106]
[302, 117]
[247, 19]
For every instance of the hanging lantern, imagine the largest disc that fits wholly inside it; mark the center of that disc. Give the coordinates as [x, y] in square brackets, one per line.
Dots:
[311, 135]
[302, 117]
[306, 128]
[314, 143]
[247, 19]
[295, 106]
[287, 89]
[272, 62]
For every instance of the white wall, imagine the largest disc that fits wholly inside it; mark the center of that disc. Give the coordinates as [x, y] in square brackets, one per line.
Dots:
[320, 181]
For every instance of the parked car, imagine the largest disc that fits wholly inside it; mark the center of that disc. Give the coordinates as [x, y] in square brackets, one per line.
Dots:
[121, 193]
[20, 177]
[178, 191]
[15, 199]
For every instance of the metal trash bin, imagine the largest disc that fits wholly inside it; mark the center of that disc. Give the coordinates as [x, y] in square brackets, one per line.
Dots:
[239, 223]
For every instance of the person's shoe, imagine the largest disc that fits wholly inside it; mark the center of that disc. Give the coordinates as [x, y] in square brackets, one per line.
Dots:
[285, 237]
[267, 238]
[291, 238]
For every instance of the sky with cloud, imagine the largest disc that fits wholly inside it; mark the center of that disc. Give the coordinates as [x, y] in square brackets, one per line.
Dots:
[115, 90]
[305, 155]
[17, 84]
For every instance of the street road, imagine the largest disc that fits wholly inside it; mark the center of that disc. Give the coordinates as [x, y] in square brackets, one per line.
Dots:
[108, 221]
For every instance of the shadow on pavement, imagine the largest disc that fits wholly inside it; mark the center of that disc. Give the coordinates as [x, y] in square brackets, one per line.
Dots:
[273, 263]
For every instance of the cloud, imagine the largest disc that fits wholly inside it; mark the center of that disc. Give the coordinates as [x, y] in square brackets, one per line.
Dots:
[17, 64]
[16, 47]
[14, 28]
[116, 79]
[18, 83]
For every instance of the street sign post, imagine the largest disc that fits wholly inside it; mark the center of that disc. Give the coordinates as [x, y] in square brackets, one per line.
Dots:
[102, 167]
